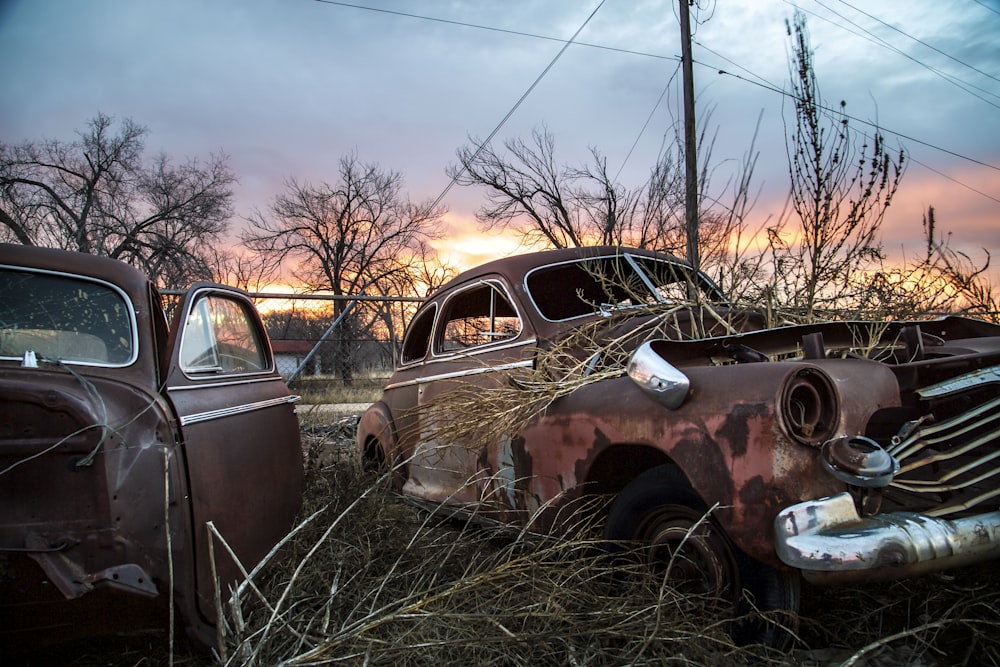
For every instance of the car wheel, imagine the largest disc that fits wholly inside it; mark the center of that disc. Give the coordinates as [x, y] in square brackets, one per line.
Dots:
[662, 515]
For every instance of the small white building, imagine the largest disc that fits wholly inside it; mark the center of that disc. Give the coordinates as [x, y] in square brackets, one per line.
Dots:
[289, 354]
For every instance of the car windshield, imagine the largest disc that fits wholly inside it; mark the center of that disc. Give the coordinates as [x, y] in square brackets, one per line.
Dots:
[602, 284]
[65, 318]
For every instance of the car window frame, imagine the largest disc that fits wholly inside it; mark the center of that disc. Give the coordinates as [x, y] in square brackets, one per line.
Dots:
[121, 293]
[220, 373]
[430, 311]
[438, 353]
[706, 286]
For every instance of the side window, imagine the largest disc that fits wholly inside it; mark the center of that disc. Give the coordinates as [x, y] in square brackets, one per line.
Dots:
[478, 316]
[219, 337]
[418, 336]
[673, 284]
[67, 318]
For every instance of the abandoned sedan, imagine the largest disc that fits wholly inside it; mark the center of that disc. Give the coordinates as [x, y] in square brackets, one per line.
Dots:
[135, 460]
[751, 456]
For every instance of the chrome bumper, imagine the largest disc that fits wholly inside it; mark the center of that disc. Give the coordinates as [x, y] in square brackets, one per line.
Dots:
[830, 542]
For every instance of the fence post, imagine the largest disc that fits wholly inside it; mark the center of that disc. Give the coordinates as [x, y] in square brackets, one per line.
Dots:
[322, 339]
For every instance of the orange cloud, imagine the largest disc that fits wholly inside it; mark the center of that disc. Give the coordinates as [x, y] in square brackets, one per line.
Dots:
[465, 245]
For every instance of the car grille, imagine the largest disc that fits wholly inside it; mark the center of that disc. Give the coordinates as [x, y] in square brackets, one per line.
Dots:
[950, 458]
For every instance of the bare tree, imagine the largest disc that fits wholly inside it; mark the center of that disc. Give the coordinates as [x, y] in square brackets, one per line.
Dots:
[97, 195]
[560, 206]
[528, 185]
[243, 269]
[359, 235]
[839, 193]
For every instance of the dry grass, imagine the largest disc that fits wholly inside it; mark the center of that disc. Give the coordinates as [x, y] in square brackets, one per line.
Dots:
[373, 581]
[325, 390]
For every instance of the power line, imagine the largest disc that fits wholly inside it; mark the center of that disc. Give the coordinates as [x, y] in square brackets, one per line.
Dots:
[519, 33]
[992, 9]
[772, 88]
[920, 41]
[953, 180]
[964, 86]
[760, 82]
[649, 119]
[517, 104]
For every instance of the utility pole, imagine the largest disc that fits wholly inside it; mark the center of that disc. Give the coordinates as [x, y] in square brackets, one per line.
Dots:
[690, 140]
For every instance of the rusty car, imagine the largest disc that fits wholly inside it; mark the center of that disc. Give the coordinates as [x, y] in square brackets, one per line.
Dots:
[143, 467]
[749, 457]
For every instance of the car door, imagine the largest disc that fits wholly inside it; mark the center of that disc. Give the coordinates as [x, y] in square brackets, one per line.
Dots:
[480, 334]
[239, 434]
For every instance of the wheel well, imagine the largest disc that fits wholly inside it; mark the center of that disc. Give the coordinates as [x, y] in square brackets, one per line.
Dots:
[618, 465]
[373, 451]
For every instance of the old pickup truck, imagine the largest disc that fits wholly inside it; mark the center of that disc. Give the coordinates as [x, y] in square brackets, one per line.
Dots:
[136, 459]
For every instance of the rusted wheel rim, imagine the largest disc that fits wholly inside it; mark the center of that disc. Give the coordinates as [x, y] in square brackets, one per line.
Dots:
[695, 558]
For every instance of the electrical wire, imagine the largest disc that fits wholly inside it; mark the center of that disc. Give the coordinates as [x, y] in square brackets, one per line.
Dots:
[992, 9]
[964, 86]
[921, 42]
[953, 180]
[837, 112]
[478, 26]
[760, 81]
[517, 104]
[649, 119]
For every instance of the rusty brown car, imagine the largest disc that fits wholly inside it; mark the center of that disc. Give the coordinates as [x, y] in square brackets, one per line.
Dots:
[132, 453]
[754, 457]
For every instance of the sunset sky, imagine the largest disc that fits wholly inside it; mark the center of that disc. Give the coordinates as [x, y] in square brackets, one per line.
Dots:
[287, 87]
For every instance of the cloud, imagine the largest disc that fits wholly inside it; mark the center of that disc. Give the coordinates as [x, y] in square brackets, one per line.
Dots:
[287, 88]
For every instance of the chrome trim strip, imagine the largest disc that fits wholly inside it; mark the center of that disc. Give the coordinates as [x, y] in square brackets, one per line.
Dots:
[990, 375]
[462, 354]
[231, 383]
[465, 372]
[236, 410]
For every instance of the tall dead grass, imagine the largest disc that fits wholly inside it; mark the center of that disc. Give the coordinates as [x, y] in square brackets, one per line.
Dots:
[371, 580]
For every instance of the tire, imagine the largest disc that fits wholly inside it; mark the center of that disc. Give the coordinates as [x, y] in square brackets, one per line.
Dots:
[661, 515]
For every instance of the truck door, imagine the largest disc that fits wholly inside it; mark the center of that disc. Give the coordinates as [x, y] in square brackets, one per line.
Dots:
[239, 434]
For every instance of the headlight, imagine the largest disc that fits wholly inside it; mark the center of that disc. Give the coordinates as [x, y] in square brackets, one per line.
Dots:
[809, 407]
[657, 377]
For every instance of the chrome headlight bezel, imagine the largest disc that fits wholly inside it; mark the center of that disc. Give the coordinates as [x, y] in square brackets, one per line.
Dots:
[809, 407]
[657, 377]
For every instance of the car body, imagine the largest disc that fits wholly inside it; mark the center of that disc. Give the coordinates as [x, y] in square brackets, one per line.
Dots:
[124, 443]
[839, 450]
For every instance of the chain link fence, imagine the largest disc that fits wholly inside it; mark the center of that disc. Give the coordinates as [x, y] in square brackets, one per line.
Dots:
[335, 349]
[330, 347]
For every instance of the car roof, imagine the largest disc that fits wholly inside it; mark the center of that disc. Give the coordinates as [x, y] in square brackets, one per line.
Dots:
[516, 266]
[130, 279]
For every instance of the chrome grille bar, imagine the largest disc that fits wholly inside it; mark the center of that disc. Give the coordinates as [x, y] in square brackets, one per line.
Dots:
[954, 459]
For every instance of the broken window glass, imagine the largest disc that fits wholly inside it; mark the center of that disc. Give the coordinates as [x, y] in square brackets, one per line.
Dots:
[64, 318]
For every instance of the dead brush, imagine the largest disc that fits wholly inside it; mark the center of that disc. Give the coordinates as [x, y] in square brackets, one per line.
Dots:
[373, 581]
[370, 580]
[939, 619]
[470, 415]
